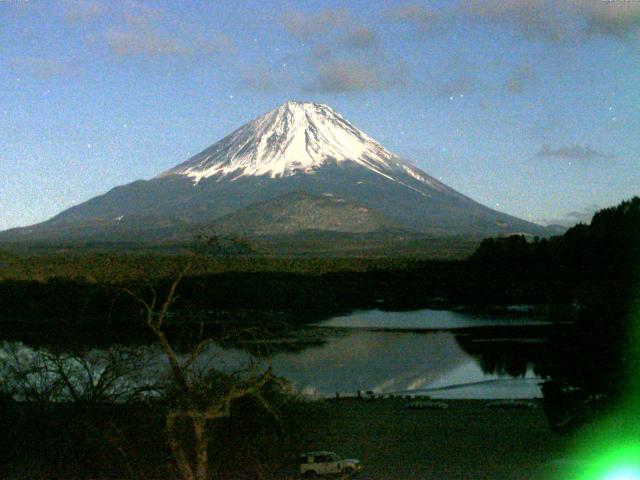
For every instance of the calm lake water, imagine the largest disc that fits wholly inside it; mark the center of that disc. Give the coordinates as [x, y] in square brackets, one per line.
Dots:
[442, 354]
[413, 352]
[424, 320]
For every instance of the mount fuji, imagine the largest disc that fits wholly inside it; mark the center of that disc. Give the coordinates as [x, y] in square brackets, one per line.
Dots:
[299, 168]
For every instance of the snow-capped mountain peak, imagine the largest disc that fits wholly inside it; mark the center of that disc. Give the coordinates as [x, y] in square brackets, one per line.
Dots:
[296, 137]
[299, 168]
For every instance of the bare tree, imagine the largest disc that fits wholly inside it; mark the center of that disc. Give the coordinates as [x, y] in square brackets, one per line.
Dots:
[68, 391]
[45, 377]
[198, 397]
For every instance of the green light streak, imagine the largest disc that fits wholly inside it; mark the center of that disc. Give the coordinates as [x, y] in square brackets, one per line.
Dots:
[623, 473]
[610, 449]
[611, 462]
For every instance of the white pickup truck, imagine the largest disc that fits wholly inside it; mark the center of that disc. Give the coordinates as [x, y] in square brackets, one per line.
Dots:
[317, 464]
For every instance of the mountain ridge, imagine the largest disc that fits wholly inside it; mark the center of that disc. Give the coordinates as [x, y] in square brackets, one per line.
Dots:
[297, 147]
[300, 211]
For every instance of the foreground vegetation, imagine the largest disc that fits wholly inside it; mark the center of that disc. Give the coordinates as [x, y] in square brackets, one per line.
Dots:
[95, 394]
[103, 440]
[466, 440]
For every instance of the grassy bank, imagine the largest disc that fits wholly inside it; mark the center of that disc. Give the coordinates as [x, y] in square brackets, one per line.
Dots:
[467, 440]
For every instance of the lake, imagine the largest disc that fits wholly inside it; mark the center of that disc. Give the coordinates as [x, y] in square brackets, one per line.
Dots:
[425, 320]
[412, 352]
[443, 354]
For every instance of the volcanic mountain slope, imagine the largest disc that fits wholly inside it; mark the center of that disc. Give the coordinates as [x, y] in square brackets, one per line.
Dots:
[298, 147]
[299, 211]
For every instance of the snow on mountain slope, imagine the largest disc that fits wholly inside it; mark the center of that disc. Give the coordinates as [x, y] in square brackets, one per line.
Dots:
[298, 147]
[295, 138]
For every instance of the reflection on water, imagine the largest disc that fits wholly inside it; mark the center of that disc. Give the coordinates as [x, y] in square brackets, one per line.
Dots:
[375, 354]
[378, 361]
[423, 320]
[400, 363]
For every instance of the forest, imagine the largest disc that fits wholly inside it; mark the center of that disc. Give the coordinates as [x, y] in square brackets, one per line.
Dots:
[589, 266]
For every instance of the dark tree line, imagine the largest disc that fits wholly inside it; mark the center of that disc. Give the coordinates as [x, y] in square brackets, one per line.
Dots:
[588, 264]
[595, 269]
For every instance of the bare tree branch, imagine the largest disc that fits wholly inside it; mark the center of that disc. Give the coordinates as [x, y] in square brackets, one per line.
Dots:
[189, 405]
[176, 448]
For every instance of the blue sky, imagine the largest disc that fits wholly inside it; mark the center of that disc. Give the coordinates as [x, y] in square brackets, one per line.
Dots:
[528, 106]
